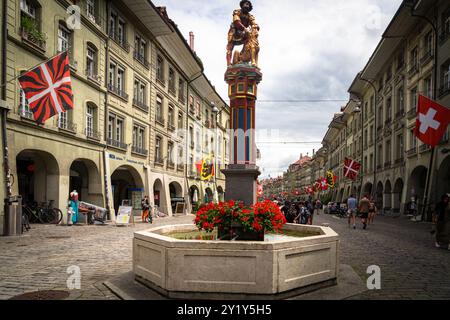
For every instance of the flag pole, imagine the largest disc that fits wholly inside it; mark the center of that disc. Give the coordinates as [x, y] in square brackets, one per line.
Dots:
[28, 70]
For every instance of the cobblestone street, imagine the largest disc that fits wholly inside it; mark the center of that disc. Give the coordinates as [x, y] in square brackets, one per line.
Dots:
[411, 267]
[39, 260]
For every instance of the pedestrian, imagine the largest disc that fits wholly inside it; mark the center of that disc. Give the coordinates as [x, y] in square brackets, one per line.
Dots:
[412, 207]
[146, 216]
[74, 205]
[318, 206]
[442, 217]
[372, 211]
[352, 204]
[364, 210]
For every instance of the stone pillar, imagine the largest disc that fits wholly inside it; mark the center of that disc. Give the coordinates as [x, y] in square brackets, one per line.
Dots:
[242, 173]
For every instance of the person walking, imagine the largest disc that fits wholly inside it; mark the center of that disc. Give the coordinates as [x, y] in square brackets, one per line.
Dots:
[363, 208]
[442, 217]
[318, 206]
[372, 211]
[146, 216]
[351, 207]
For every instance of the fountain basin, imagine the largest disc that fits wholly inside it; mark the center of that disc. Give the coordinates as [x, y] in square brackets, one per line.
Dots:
[281, 267]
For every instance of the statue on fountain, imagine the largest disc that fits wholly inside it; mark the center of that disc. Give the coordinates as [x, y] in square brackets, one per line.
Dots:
[243, 31]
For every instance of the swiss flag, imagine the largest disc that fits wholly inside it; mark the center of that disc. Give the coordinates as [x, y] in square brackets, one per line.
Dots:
[351, 168]
[324, 184]
[432, 121]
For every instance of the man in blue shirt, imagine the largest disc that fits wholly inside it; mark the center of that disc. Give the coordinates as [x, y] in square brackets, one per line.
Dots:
[352, 204]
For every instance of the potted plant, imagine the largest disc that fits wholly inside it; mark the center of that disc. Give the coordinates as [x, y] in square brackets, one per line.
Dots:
[31, 32]
[235, 221]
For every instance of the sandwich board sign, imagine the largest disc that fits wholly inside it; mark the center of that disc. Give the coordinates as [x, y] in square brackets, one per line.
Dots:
[125, 213]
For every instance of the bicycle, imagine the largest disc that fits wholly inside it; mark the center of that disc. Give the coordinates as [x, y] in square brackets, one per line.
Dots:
[25, 223]
[48, 214]
[30, 210]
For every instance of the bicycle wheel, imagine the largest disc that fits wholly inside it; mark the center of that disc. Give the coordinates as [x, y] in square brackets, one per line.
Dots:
[25, 223]
[57, 216]
[44, 215]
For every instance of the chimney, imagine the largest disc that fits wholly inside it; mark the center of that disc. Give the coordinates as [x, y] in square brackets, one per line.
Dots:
[191, 41]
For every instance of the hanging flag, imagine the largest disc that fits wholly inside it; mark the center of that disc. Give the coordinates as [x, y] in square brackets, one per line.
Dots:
[48, 88]
[331, 179]
[206, 168]
[432, 121]
[351, 168]
[324, 184]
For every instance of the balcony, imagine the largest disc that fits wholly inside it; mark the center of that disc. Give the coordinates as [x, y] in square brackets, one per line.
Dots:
[387, 164]
[180, 167]
[399, 161]
[120, 40]
[34, 39]
[90, 74]
[91, 134]
[160, 120]
[170, 164]
[400, 114]
[424, 148]
[139, 151]
[170, 126]
[411, 152]
[428, 57]
[116, 144]
[413, 71]
[25, 112]
[141, 59]
[411, 113]
[444, 89]
[159, 161]
[141, 105]
[67, 126]
[118, 92]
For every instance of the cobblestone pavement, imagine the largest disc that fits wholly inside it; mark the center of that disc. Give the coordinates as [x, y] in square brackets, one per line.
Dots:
[39, 259]
[411, 266]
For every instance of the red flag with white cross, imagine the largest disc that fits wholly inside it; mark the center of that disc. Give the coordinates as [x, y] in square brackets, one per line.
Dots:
[351, 168]
[432, 121]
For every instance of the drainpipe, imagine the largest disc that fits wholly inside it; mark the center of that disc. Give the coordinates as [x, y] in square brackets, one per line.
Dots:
[5, 110]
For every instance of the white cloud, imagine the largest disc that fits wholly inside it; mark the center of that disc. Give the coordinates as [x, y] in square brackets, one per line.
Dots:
[310, 49]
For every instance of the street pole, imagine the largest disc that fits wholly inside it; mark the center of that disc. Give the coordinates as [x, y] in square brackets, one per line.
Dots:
[375, 130]
[426, 199]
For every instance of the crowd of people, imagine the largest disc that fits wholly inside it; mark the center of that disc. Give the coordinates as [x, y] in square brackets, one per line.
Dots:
[300, 212]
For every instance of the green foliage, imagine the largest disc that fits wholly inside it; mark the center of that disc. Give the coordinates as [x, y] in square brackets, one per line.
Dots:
[29, 26]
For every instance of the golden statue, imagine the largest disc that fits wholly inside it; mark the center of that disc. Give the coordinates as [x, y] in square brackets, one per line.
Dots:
[243, 31]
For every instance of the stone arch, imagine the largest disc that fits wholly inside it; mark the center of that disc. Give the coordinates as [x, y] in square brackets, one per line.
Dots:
[379, 196]
[209, 195]
[194, 194]
[387, 195]
[124, 181]
[367, 190]
[397, 195]
[417, 181]
[158, 193]
[86, 179]
[38, 176]
[443, 179]
[176, 195]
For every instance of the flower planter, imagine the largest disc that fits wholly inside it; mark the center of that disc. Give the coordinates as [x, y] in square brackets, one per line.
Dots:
[237, 232]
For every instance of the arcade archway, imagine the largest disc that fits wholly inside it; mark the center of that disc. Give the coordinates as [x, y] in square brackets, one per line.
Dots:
[443, 179]
[379, 196]
[417, 183]
[387, 195]
[397, 195]
[125, 181]
[85, 178]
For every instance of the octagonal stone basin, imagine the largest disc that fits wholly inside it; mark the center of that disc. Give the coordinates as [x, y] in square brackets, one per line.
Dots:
[281, 267]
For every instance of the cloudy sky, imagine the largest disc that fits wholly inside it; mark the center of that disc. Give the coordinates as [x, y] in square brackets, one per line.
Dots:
[311, 50]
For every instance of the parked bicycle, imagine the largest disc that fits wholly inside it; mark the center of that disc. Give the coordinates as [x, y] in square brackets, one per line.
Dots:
[44, 213]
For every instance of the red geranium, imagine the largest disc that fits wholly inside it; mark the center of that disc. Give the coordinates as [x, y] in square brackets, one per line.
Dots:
[265, 216]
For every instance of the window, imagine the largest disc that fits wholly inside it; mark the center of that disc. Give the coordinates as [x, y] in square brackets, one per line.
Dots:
[90, 10]
[414, 59]
[159, 110]
[429, 44]
[191, 136]
[428, 88]
[446, 82]
[116, 82]
[198, 110]
[112, 24]
[138, 138]
[414, 99]
[170, 154]
[181, 97]
[91, 62]
[226, 149]
[62, 120]
[160, 70]
[413, 139]
[171, 81]
[180, 156]
[64, 38]
[180, 121]
[121, 32]
[117, 30]
[400, 61]
[140, 50]
[139, 91]
[372, 104]
[380, 155]
[170, 117]
[219, 147]
[158, 150]
[198, 140]
[90, 120]
[115, 131]
[28, 7]
[371, 162]
[400, 101]
[400, 147]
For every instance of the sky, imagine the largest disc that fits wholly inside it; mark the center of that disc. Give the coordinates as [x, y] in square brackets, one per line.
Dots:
[311, 50]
